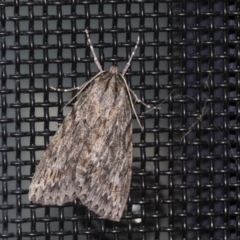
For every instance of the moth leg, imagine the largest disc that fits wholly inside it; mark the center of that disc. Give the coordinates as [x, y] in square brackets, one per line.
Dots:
[143, 103]
[66, 89]
[131, 102]
[130, 59]
[79, 88]
[93, 52]
[138, 99]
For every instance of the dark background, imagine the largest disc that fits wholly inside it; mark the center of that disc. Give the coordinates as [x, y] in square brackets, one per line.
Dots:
[185, 181]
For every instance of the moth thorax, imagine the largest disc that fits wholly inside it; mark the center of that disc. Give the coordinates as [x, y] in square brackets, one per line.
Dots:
[113, 70]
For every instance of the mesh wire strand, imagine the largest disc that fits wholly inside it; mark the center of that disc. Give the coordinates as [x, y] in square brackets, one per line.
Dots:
[185, 163]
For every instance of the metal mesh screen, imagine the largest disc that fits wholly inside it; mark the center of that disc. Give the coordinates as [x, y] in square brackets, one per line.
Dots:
[185, 163]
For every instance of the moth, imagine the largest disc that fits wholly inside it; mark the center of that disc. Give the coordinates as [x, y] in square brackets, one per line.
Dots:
[90, 155]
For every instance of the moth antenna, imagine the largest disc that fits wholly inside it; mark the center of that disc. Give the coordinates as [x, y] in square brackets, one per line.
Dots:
[130, 59]
[93, 52]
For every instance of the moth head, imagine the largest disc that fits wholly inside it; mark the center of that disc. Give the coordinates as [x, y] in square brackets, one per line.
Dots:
[113, 70]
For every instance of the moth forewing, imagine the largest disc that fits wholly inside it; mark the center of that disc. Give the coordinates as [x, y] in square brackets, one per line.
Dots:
[90, 156]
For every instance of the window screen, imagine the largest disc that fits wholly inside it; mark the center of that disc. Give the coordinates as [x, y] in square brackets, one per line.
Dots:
[185, 180]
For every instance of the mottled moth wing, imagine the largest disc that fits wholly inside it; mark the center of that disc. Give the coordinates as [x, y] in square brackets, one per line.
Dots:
[90, 156]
